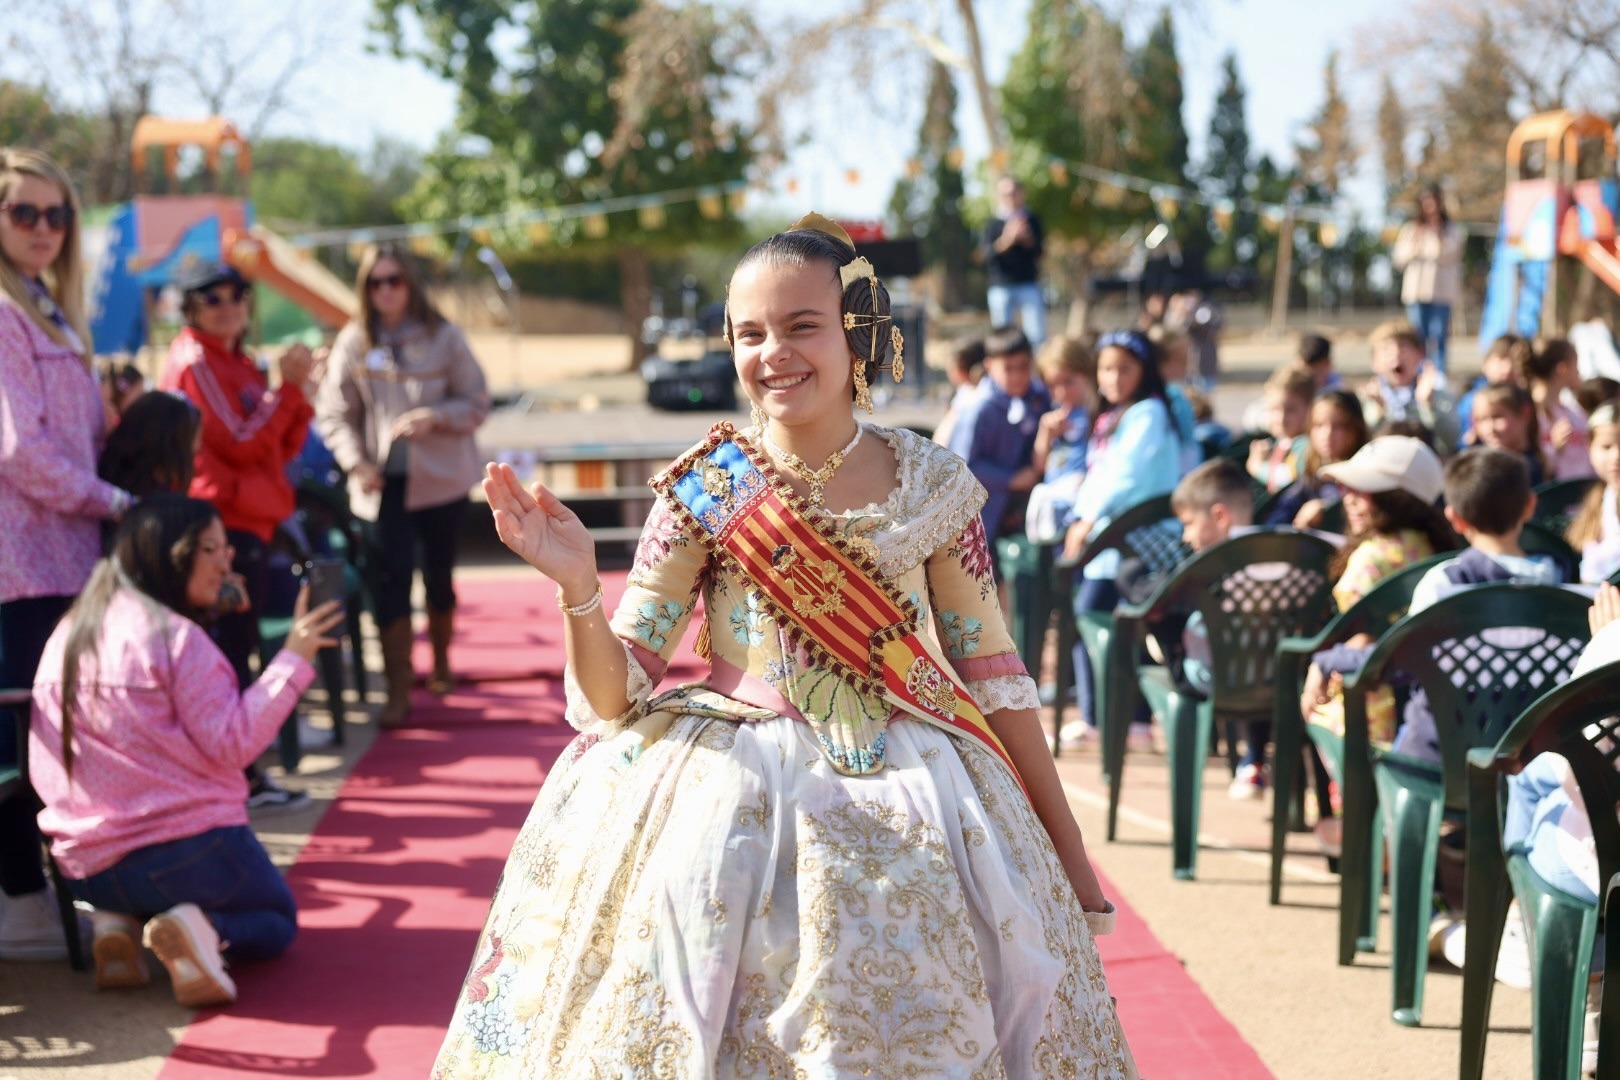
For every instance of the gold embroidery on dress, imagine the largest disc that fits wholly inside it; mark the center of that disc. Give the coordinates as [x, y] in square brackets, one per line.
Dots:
[817, 587]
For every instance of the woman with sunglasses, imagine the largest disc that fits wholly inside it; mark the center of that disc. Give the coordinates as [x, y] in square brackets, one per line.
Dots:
[51, 501]
[401, 401]
[250, 433]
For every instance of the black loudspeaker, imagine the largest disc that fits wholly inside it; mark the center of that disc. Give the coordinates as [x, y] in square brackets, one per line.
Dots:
[893, 258]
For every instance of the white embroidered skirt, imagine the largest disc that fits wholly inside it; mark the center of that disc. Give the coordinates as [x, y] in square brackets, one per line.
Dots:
[729, 905]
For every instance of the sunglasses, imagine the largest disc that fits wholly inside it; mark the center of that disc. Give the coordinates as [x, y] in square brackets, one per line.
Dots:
[235, 296]
[27, 216]
[385, 281]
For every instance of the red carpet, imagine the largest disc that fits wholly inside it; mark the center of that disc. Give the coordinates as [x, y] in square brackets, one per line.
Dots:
[394, 884]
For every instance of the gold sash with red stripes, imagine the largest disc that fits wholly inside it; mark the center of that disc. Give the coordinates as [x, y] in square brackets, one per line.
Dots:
[825, 591]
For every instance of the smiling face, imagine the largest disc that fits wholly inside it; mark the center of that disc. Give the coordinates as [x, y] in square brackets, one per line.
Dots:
[31, 250]
[1357, 510]
[209, 566]
[789, 345]
[220, 311]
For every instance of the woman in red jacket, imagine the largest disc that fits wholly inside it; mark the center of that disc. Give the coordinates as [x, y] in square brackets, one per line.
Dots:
[250, 433]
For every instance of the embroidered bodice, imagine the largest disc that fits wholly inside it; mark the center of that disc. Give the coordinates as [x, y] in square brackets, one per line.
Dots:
[927, 543]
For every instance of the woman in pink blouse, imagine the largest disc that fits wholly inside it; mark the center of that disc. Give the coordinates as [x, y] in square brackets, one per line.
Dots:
[139, 739]
[51, 502]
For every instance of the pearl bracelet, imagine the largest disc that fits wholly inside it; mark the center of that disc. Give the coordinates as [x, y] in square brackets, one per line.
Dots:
[581, 609]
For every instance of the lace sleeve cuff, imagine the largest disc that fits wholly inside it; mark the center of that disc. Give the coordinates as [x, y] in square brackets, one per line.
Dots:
[638, 687]
[1004, 692]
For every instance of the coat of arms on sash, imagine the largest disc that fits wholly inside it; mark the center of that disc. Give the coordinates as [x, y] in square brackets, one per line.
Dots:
[817, 587]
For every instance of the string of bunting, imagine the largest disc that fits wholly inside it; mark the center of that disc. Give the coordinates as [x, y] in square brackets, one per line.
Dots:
[539, 224]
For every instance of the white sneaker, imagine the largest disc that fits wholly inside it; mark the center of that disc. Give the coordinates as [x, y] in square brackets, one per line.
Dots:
[31, 927]
[1077, 735]
[1249, 783]
[188, 945]
[117, 952]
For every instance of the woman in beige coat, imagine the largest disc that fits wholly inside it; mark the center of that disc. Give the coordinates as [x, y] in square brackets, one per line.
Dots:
[402, 398]
[1428, 253]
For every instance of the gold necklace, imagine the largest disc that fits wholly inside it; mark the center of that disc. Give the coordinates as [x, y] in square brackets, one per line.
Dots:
[816, 479]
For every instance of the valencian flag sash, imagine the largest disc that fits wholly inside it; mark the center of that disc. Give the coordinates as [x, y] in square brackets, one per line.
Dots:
[823, 589]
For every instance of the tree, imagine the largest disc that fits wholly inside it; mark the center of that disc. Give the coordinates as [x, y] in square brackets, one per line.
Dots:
[564, 102]
[1329, 158]
[301, 184]
[1062, 103]
[30, 117]
[1392, 144]
[928, 205]
[126, 56]
[1228, 168]
[1157, 137]
[1477, 103]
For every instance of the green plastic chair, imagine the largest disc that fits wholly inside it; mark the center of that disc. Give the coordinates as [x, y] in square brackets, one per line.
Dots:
[1245, 617]
[1149, 531]
[1557, 502]
[1537, 540]
[1578, 721]
[1373, 614]
[1477, 683]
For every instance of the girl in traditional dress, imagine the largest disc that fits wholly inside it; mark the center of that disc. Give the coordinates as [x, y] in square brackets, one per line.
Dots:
[824, 859]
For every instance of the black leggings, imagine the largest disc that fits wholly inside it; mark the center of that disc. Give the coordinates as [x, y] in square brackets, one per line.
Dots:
[25, 627]
[393, 538]
[237, 632]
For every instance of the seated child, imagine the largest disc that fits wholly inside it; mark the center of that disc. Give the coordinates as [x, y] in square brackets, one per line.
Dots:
[1389, 487]
[1215, 503]
[1337, 431]
[1405, 387]
[1505, 419]
[1500, 365]
[1316, 353]
[1175, 352]
[1595, 532]
[1488, 501]
[1070, 373]
[1279, 460]
[139, 738]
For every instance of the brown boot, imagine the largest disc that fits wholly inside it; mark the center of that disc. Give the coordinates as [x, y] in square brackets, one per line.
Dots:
[396, 637]
[441, 628]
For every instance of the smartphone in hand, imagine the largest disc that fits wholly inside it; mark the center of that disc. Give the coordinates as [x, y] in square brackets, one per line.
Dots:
[325, 577]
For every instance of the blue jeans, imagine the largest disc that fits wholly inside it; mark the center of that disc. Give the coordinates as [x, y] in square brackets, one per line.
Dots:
[1024, 303]
[226, 872]
[1433, 323]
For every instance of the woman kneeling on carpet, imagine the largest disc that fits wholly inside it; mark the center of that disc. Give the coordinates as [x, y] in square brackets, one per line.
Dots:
[137, 746]
[823, 860]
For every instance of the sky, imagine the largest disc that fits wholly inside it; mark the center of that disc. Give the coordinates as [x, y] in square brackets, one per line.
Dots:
[353, 96]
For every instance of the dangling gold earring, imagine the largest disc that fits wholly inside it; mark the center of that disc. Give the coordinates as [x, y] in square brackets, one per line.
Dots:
[756, 415]
[863, 393]
[897, 366]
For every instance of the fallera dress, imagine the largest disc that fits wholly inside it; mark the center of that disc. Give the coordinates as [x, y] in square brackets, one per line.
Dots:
[765, 876]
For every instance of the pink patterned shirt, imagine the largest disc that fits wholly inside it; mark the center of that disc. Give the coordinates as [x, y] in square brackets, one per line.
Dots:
[160, 735]
[51, 429]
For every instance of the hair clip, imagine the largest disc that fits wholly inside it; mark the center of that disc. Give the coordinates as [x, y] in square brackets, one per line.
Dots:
[855, 270]
[817, 223]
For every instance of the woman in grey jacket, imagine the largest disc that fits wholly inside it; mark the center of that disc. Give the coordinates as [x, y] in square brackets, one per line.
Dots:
[399, 406]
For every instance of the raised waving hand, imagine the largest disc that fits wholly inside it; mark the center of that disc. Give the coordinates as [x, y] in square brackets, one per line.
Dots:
[542, 531]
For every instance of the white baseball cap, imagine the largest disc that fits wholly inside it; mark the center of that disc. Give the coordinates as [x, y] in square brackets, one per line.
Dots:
[1391, 463]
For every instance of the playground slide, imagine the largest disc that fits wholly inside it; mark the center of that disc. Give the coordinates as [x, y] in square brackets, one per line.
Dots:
[1600, 258]
[261, 255]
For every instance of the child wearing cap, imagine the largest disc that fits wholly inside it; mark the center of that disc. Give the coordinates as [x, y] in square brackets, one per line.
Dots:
[1390, 487]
